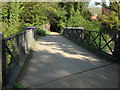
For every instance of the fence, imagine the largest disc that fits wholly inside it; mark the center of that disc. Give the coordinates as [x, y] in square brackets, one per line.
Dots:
[15, 50]
[108, 43]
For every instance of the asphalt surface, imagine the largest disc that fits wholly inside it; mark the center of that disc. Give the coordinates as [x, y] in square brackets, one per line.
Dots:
[57, 62]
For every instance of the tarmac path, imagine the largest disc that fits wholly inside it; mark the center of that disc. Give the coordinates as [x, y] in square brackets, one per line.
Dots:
[57, 62]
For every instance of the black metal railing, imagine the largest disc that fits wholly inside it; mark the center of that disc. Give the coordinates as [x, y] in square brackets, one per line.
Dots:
[108, 43]
[14, 52]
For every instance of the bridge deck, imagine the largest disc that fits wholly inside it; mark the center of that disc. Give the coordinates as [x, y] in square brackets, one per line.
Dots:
[59, 63]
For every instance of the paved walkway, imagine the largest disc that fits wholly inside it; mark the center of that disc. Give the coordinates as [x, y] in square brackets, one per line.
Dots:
[59, 63]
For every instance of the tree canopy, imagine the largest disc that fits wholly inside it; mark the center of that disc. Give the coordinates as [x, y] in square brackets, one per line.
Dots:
[111, 21]
[16, 15]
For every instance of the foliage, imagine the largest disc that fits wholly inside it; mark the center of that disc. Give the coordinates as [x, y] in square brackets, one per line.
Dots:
[61, 32]
[94, 25]
[40, 32]
[17, 15]
[47, 32]
[77, 19]
[18, 85]
[111, 22]
[10, 18]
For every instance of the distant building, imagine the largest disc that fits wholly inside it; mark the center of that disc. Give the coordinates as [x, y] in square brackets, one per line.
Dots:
[94, 17]
[106, 11]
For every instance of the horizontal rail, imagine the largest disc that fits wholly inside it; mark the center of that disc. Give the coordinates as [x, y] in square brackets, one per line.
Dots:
[13, 36]
[90, 31]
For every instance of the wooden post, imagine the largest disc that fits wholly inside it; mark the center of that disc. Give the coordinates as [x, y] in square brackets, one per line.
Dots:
[117, 45]
[100, 41]
[4, 75]
[1, 57]
[89, 37]
[82, 35]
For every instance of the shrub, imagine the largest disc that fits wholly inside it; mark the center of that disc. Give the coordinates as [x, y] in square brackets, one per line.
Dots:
[47, 32]
[40, 32]
[61, 32]
[18, 85]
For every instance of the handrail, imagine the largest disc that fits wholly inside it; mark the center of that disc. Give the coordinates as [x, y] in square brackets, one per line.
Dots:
[15, 50]
[109, 42]
[8, 38]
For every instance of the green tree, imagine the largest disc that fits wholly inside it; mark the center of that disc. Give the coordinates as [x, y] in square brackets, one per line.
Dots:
[10, 18]
[16, 15]
[111, 22]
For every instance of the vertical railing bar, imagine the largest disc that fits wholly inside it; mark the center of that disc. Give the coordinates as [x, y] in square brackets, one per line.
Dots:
[117, 45]
[89, 38]
[4, 70]
[100, 41]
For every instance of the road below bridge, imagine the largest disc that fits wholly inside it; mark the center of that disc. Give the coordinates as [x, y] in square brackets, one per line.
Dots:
[57, 62]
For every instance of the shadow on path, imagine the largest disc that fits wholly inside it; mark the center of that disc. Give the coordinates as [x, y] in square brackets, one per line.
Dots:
[58, 62]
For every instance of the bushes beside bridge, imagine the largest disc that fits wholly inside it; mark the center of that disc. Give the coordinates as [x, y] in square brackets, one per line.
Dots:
[40, 32]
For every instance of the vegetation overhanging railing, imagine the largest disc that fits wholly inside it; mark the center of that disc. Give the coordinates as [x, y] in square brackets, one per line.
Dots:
[108, 43]
[15, 50]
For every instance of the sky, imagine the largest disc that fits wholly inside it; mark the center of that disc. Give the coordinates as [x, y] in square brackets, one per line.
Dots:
[92, 3]
[96, 9]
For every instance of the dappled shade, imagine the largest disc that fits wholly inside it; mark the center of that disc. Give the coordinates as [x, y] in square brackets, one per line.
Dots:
[55, 57]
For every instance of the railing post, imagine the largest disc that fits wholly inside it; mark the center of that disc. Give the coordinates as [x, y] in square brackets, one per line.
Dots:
[4, 75]
[89, 37]
[117, 45]
[81, 35]
[30, 34]
[64, 32]
[0, 59]
[100, 41]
